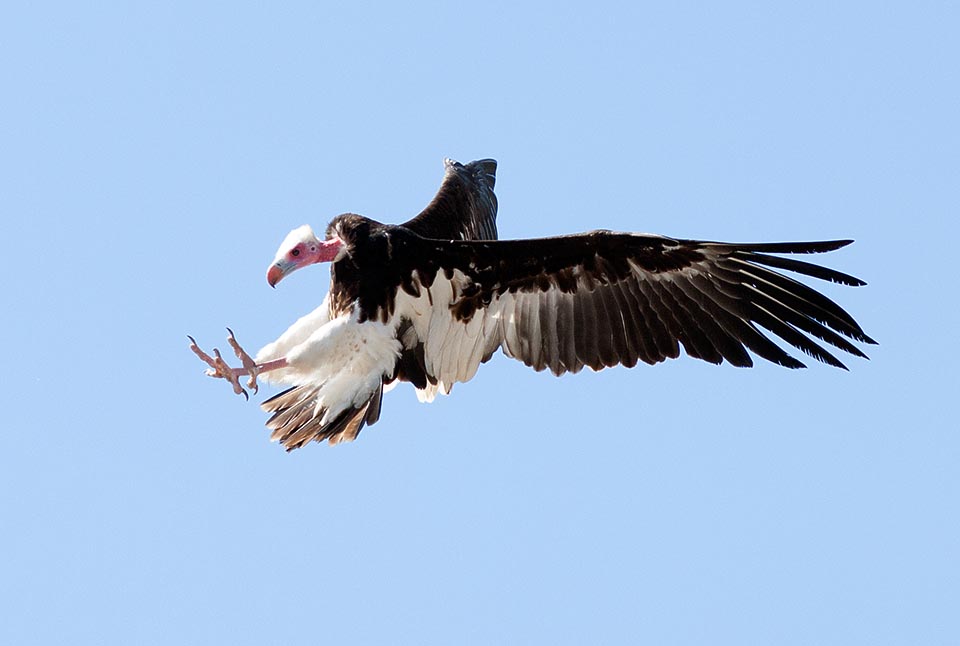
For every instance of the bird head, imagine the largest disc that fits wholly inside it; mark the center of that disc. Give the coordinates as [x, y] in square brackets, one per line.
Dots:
[301, 248]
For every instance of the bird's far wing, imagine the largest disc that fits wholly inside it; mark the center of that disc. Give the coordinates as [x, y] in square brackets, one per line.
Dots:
[601, 299]
[465, 207]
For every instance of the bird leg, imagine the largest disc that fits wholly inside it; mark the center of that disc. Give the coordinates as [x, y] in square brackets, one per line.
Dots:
[220, 370]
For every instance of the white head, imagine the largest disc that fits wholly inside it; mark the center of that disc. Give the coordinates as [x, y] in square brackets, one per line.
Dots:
[301, 248]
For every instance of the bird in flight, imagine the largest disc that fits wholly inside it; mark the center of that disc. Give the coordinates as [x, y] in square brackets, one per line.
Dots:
[429, 300]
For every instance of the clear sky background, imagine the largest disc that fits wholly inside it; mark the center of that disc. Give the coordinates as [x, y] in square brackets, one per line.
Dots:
[153, 156]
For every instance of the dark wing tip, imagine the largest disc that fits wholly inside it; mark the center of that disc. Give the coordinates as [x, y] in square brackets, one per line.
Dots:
[810, 246]
[747, 288]
[798, 266]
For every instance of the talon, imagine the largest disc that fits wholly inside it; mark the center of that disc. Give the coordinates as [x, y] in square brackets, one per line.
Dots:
[246, 360]
[226, 372]
[219, 369]
[206, 358]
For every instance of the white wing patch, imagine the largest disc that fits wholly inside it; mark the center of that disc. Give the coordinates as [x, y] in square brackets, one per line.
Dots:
[453, 350]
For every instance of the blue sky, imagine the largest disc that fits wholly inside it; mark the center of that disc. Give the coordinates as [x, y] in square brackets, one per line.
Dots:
[154, 156]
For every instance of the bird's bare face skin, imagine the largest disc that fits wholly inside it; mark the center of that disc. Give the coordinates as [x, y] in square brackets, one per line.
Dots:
[299, 249]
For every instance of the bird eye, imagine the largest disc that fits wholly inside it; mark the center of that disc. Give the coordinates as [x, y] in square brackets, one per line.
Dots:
[295, 252]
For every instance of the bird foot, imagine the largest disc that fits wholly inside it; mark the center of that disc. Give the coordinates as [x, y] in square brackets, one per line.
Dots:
[220, 370]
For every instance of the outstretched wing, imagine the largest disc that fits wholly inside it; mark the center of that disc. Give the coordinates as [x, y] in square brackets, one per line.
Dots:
[601, 299]
[465, 207]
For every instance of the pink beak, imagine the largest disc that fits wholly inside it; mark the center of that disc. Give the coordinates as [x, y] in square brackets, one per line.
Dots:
[275, 273]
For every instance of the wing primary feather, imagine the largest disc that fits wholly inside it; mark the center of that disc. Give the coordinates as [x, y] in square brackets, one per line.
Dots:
[744, 306]
[759, 343]
[808, 324]
[799, 296]
[743, 329]
[710, 316]
[816, 246]
[762, 346]
[698, 325]
[753, 311]
[789, 334]
[722, 328]
[801, 267]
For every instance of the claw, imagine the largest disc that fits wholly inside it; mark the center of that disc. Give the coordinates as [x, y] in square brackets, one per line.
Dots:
[226, 372]
[206, 358]
[248, 363]
[219, 368]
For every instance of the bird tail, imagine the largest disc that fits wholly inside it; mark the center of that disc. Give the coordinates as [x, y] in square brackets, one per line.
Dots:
[296, 420]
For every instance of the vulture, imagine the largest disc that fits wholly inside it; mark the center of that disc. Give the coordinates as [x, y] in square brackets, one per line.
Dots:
[429, 300]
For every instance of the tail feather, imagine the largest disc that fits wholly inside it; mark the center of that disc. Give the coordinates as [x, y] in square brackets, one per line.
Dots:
[296, 420]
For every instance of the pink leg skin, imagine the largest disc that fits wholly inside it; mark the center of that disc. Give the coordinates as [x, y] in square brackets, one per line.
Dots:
[220, 370]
